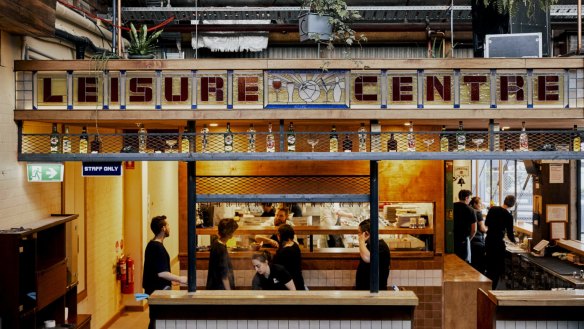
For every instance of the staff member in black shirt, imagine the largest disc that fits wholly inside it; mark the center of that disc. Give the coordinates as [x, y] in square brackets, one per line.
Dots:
[220, 274]
[156, 275]
[465, 225]
[362, 278]
[270, 276]
[289, 255]
[477, 244]
[499, 220]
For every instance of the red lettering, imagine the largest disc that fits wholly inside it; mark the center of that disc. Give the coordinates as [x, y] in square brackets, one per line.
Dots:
[548, 88]
[87, 89]
[48, 96]
[402, 89]
[184, 90]
[512, 85]
[211, 85]
[141, 89]
[247, 89]
[361, 82]
[475, 83]
[434, 84]
[114, 90]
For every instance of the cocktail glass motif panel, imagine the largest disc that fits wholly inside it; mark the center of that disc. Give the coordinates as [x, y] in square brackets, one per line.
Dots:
[306, 89]
[141, 90]
[475, 89]
[247, 89]
[51, 90]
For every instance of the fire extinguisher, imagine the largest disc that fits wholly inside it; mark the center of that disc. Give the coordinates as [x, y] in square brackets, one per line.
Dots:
[128, 278]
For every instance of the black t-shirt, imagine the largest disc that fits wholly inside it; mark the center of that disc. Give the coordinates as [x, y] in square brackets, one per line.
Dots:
[290, 258]
[499, 221]
[479, 237]
[464, 217]
[276, 281]
[156, 260]
[363, 276]
[220, 267]
[270, 213]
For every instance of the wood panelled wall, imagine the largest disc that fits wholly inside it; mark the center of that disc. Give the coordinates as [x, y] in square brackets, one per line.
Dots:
[398, 181]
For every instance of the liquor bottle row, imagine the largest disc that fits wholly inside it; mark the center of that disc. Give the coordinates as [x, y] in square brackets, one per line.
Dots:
[448, 141]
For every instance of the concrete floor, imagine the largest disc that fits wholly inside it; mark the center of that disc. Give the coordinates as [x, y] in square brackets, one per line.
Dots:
[137, 320]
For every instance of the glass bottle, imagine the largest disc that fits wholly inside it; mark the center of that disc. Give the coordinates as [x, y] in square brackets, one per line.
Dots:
[523, 142]
[66, 141]
[411, 139]
[185, 143]
[362, 138]
[334, 140]
[576, 140]
[443, 140]
[391, 144]
[228, 139]
[270, 142]
[460, 138]
[83, 141]
[55, 140]
[204, 139]
[142, 138]
[291, 138]
[96, 145]
[251, 137]
[347, 144]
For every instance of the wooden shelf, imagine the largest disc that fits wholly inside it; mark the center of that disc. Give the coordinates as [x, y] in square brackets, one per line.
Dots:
[574, 246]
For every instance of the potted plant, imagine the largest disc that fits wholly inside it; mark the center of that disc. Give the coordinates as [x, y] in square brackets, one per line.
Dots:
[511, 6]
[142, 45]
[327, 22]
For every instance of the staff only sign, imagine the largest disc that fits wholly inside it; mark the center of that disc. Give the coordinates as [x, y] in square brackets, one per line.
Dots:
[101, 169]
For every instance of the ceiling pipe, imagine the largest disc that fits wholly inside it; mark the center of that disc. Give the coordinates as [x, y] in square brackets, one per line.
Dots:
[359, 27]
[288, 3]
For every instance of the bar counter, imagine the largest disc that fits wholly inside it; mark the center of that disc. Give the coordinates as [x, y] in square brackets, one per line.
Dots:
[277, 309]
[530, 309]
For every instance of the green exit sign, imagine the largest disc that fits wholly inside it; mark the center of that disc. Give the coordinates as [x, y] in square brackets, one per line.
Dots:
[44, 172]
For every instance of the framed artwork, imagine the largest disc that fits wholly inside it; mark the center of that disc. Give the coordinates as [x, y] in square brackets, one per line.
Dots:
[556, 213]
[557, 230]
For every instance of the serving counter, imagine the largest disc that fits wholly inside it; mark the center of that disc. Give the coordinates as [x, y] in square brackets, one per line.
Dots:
[282, 309]
[530, 309]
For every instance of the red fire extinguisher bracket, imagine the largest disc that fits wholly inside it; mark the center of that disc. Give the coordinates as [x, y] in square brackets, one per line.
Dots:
[128, 277]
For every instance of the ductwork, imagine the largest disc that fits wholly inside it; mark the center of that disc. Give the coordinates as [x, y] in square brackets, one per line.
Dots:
[286, 3]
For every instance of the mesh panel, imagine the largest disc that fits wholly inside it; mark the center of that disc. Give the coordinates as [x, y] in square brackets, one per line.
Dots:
[556, 140]
[283, 185]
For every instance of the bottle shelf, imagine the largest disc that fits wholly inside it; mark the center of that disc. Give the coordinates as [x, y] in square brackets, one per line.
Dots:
[311, 145]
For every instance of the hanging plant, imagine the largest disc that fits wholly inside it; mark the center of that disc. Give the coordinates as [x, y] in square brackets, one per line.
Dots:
[142, 44]
[510, 6]
[338, 18]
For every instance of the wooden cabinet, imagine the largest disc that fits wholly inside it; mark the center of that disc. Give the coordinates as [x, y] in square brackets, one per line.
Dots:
[36, 283]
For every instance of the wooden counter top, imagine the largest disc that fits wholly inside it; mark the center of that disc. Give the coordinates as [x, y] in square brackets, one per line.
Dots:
[457, 270]
[525, 228]
[574, 246]
[316, 229]
[263, 297]
[572, 298]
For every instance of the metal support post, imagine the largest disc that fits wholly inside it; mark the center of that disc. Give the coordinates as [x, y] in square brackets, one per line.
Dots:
[191, 219]
[374, 217]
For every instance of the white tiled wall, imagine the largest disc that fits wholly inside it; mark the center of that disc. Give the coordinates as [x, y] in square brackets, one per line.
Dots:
[540, 324]
[281, 324]
[346, 278]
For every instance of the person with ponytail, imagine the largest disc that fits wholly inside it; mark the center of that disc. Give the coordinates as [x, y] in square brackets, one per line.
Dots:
[270, 276]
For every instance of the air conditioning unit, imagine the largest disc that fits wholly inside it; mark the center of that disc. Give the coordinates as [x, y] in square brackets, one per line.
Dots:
[513, 45]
